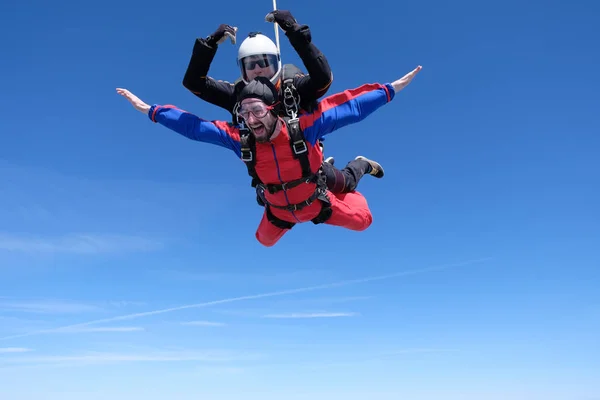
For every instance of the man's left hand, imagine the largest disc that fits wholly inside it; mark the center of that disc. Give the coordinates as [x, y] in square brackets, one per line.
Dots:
[406, 79]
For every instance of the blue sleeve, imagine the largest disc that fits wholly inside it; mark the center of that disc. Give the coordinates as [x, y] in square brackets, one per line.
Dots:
[345, 108]
[219, 133]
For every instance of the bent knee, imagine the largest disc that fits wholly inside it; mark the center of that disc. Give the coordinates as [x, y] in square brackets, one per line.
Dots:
[367, 221]
[362, 221]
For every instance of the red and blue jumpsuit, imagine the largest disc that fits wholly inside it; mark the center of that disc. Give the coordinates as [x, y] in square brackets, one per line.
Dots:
[275, 163]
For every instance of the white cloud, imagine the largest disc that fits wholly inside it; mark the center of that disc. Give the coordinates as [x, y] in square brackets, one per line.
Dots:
[259, 296]
[152, 356]
[4, 350]
[264, 277]
[124, 303]
[78, 244]
[202, 323]
[58, 306]
[358, 358]
[47, 307]
[312, 315]
[100, 329]
[331, 300]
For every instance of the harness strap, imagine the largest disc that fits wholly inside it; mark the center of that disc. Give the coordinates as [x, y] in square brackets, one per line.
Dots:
[276, 187]
[248, 150]
[298, 145]
[326, 209]
[319, 194]
[278, 222]
[297, 206]
[291, 97]
[299, 150]
[322, 217]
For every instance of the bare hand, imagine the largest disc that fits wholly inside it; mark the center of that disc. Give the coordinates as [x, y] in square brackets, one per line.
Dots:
[134, 100]
[406, 79]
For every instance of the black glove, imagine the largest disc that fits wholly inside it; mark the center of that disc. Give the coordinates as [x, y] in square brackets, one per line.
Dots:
[221, 34]
[284, 18]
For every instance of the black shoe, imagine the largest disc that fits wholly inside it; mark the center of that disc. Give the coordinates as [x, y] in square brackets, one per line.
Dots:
[376, 168]
[330, 160]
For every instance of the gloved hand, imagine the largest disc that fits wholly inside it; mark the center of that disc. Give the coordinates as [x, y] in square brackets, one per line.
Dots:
[284, 18]
[223, 32]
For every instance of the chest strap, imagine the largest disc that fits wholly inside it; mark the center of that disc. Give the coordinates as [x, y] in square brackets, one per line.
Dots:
[318, 194]
[276, 187]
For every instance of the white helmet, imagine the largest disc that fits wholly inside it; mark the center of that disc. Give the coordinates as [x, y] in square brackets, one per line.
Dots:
[257, 44]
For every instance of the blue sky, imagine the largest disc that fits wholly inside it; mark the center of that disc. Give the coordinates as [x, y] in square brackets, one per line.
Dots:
[128, 264]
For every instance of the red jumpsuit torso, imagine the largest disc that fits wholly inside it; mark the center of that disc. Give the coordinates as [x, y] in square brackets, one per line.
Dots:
[275, 164]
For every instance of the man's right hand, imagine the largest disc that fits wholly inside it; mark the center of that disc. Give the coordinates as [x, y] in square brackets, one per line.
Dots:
[223, 32]
[135, 101]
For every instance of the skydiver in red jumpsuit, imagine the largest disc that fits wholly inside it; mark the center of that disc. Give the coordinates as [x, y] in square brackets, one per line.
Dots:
[275, 162]
[259, 56]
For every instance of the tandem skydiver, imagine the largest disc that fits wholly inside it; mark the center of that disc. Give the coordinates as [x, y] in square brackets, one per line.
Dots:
[284, 154]
[298, 93]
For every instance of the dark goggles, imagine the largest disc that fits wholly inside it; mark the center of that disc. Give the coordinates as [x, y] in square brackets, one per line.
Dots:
[263, 61]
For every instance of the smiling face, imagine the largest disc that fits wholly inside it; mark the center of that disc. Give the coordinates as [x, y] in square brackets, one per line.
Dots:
[258, 118]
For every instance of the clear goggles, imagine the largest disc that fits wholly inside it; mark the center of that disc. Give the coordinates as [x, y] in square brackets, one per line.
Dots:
[257, 108]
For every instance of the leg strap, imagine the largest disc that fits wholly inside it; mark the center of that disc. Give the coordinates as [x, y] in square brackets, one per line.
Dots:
[278, 222]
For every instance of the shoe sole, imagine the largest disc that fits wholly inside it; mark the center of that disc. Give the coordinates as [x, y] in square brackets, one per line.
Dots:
[375, 165]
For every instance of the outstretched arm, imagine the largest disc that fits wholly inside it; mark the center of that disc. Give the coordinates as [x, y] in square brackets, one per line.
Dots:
[314, 85]
[350, 106]
[215, 132]
[196, 78]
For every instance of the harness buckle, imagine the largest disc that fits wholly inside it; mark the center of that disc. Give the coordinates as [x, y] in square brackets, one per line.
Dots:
[289, 100]
[300, 147]
[274, 189]
[246, 154]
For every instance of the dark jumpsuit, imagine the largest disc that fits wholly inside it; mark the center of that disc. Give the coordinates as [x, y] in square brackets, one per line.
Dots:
[310, 87]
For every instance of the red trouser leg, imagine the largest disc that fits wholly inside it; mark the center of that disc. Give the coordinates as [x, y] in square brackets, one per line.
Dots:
[267, 233]
[350, 211]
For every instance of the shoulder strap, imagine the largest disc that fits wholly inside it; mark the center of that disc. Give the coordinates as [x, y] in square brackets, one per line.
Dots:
[298, 145]
[248, 149]
[289, 71]
[292, 101]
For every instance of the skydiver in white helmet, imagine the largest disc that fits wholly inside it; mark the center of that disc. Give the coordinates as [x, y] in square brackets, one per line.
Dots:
[258, 56]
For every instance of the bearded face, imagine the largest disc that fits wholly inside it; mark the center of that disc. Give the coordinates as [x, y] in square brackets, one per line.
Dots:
[258, 118]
